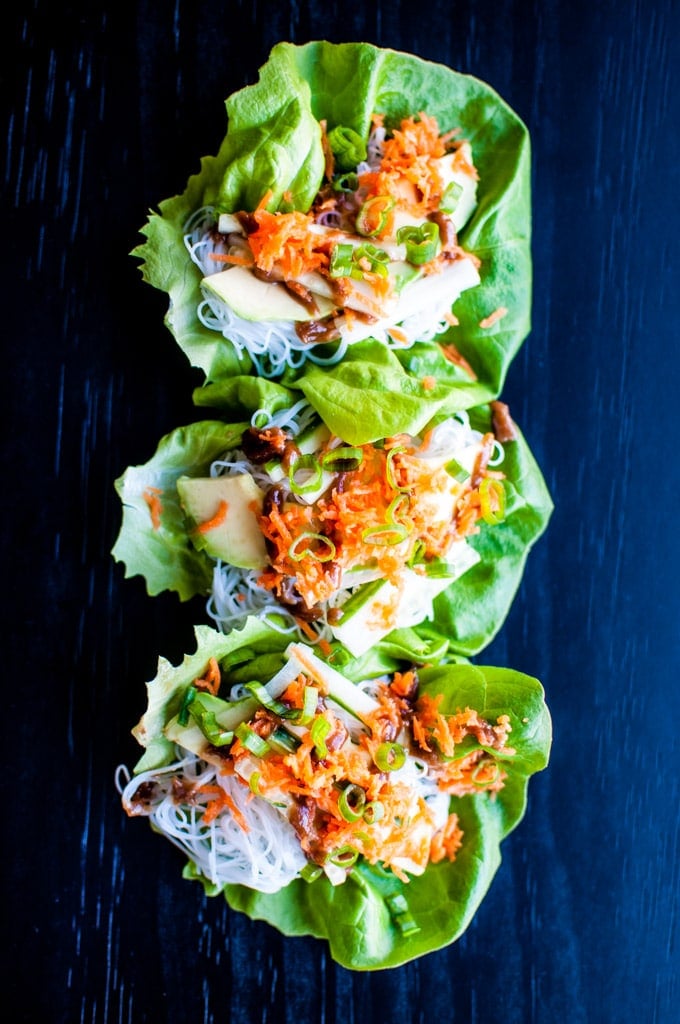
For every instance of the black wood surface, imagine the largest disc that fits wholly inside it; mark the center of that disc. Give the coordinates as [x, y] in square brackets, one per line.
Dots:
[109, 108]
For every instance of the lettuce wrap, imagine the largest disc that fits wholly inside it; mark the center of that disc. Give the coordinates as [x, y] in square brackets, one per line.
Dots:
[417, 539]
[370, 816]
[312, 113]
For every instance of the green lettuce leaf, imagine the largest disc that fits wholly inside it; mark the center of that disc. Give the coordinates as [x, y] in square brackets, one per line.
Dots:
[467, 615]
[354, 917]
[163, 553]
[273, 142]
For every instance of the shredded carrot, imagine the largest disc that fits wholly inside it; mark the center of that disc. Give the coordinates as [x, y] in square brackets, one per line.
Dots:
[493, 318]
[152, 498]
[239, 261]
[222, 800]
[216, 520]
[212, 678]
[429, 383]
[403, 683]
[447, 841]
[408, 170]
[306, 629]
[356, 525]
[266, 199]
[398, 335]
[450, 352]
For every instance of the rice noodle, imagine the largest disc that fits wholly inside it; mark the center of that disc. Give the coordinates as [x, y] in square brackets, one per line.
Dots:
[266, 857]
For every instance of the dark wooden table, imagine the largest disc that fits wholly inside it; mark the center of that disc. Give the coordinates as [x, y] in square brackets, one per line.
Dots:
[109, 108]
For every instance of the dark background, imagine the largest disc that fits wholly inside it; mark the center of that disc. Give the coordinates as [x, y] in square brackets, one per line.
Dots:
[109, 108]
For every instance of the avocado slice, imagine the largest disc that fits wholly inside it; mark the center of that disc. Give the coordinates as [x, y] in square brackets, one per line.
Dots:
[235, 538]
[253, 299]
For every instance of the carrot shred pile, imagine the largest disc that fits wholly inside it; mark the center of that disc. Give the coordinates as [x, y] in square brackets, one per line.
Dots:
[408, 171]
[360, 520]
[284, 241]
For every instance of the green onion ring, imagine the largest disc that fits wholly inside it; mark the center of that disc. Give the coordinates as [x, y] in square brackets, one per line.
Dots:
[352, 456]
[488, 487]
[389, 757]
[344, 857]
[319, 732]
[374, 811]
[351, 802]
[481, 766]
[389, 468]
[297, 555]
[385, 535]
[309, 464]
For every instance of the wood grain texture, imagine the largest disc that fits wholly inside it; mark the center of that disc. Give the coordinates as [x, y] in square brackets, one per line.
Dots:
[108, 109]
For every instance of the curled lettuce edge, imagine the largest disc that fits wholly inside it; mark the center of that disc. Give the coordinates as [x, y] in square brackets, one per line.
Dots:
[273, 142]
[467, 615]
[354, 917]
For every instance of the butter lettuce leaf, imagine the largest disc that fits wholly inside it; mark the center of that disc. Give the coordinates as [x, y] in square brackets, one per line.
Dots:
[157, 546]
[354, 917]
[273, 142]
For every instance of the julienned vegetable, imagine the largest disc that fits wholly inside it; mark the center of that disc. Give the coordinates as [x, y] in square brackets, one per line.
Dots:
[276, 230]
[341, 543]
[328, 803]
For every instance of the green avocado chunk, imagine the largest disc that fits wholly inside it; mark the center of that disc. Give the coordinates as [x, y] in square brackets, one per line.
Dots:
[235, 537]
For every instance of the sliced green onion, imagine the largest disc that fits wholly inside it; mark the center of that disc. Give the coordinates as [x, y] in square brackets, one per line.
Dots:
[389, 468]
[347, 146]
[341, 264]
[254, 783]
[342, 460]
[310, 872]
[386, 535]
[438, 570]
[397, 507]
[452, 193]
[189, 697]
[458, 472]
[406, 924]
[374, 215]
[251, 741]
[207, 723]
[389, 757]
[397, 904]
[346, 182]
[310, 468]
[417, 554]
[421, 241]
[319, 732]
[283, 742]
[377, 258]
[344, 856]
[351, 802]
[310, 699]
[375, 811]
[297, 551]
[480, 768]
[490, 487]
[261, 693]
[400, 914]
